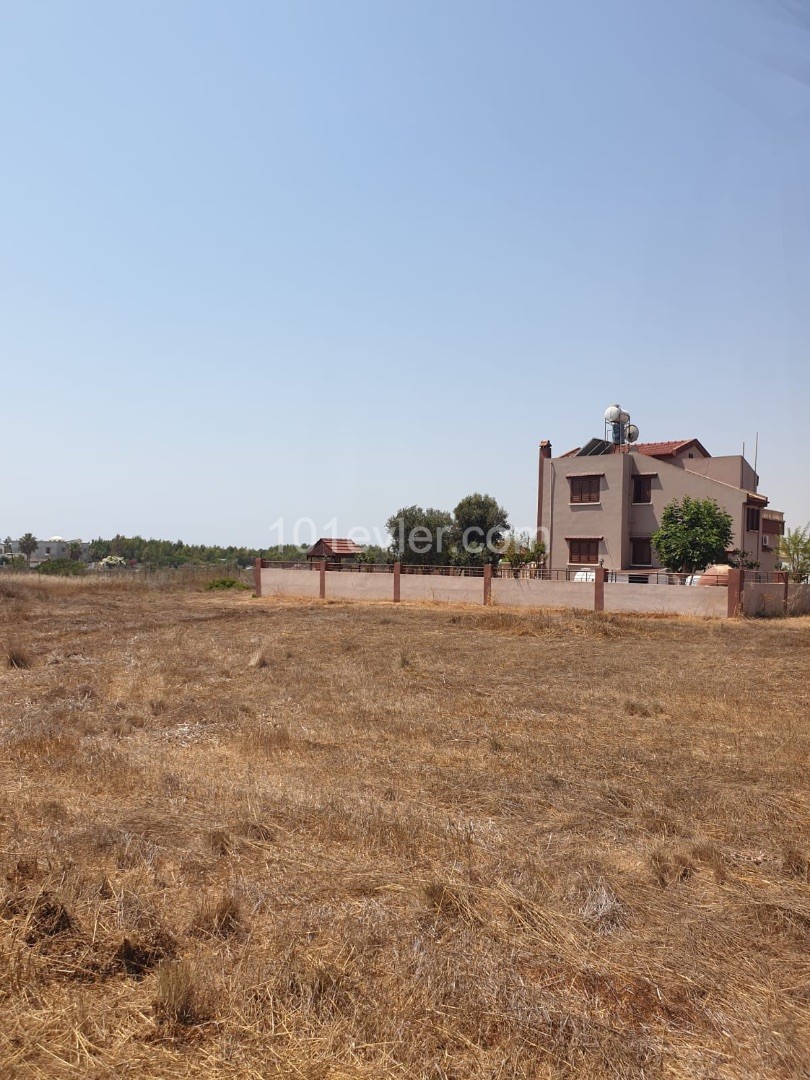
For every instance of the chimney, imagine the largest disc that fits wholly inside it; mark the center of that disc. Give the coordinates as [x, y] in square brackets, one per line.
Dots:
[545, 454]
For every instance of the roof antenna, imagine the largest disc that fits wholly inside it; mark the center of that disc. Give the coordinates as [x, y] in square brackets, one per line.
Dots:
[756, 451]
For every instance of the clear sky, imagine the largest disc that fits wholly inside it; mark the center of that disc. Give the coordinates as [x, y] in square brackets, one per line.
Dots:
[264, 260]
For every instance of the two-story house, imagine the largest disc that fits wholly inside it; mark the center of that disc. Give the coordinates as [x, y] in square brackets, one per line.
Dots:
[601, 502]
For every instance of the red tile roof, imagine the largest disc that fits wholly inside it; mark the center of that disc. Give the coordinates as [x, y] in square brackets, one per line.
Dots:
[668, 449]
[338, 547]
[651, 449]
[663, 449]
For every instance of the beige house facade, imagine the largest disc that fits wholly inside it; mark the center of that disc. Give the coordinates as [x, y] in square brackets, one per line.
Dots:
[601, 503]
[55, 547]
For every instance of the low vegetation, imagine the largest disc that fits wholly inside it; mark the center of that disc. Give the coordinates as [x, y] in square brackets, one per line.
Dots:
[794, 550]
[258, 838]
[62, 568]
[175, 553]
[226, 583]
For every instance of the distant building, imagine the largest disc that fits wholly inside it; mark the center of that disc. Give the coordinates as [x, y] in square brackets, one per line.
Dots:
[335, 551]
[55, 547]
[602, 502]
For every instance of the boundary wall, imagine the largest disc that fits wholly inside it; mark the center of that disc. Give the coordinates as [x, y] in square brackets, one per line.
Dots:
[775, 598]
[741, 593]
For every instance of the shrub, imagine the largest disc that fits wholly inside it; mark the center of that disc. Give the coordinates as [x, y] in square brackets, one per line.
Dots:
[112, 562]
[183, 996]
[62, 568]
[226, 583]
[18, 657]
[217, 918]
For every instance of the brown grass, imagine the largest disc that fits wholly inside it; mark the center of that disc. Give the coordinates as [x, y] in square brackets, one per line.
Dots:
[17, 656]
[255, 838]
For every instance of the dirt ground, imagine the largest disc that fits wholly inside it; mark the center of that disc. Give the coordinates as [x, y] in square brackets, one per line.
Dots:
[257, 838]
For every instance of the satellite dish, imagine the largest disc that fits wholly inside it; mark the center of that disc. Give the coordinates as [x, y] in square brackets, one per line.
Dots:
[632, 432]
[612, 413]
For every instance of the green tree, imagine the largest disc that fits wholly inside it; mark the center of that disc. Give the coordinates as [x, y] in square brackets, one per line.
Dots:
[741, 560]
[520, 549]
[794, 551]
[694, 533]
[420, 537]
[286, 553]
[28, 545]
[373, 554]
[99, 549]
[479, 527]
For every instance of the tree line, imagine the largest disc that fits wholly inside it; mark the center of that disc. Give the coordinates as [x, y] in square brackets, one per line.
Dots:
[692, 535]
[174, 553]
[157, 553]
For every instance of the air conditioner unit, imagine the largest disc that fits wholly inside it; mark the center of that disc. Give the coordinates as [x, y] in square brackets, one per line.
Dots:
[766, 541]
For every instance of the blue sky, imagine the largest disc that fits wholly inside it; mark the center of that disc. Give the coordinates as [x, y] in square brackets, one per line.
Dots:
[264, 261]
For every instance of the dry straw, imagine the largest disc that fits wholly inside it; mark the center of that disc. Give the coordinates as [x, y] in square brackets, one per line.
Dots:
[249, 838]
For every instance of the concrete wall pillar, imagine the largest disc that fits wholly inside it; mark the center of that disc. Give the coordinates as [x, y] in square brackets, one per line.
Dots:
[257, 576]
[397, 570]
[487, 583]
[736, 585]
[784, 576]
[599, 589]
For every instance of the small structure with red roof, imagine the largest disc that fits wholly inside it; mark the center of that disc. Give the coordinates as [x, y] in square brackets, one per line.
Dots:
[335, 551]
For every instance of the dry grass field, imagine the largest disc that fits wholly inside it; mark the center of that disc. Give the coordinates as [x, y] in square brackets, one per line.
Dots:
[256, 838]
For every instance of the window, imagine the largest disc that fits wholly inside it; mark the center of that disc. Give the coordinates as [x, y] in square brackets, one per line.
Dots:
[642, 489]
[641, 552]
[752, 518]
[584, 489]
[583, 551]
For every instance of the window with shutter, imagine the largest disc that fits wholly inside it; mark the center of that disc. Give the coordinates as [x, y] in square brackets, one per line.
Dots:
[642, 489]
[583, 551]
[584, 489]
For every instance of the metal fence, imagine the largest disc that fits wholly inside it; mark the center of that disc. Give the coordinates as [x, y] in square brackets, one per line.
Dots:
[576, 574]
[543, 573]
[443, 571]
[360, 568]
[375, 568]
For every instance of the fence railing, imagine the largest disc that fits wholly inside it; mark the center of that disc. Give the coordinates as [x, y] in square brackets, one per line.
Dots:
[663, 577]
[765, 577]
[443, 571]
[374, 568]
[286, 564]
[575, 574]
[543, 573]
[360, 568]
